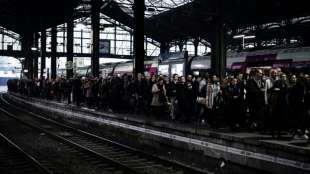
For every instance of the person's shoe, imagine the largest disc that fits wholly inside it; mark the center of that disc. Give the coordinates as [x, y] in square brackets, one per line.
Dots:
[300, 137]
[203, 122]
[296, 137]
[306, 137]
[237, 126]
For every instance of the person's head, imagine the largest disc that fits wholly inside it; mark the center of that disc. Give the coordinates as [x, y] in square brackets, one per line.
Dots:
[175, 77]
[189, 78]
[234, 81]
[139, 76]
[199, 78]
[293, 79]
[182, 79]
[153, 79]
[148, 77]
[160, 81]
[306, 77]
[283, 77]
[167, 81]
[240, 76]
[214, 78]
[273, 73]
[259, 73]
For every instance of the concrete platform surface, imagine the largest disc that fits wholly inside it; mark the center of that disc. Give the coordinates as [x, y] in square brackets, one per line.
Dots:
[244, 148]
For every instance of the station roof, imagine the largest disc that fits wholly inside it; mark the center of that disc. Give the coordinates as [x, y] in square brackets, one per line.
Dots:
[21, 15]
[196, 18]
[165, 20]
[173, 20]
[152, 7]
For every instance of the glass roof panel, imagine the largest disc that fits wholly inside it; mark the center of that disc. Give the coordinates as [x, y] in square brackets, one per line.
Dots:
[153, 7]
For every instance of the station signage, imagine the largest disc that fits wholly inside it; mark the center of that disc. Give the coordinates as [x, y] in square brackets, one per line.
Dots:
[104, 46]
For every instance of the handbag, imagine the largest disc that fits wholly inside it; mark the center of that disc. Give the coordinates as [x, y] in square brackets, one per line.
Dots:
[201, 100]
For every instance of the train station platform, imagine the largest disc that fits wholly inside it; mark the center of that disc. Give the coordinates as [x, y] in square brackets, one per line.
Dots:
[241, 152]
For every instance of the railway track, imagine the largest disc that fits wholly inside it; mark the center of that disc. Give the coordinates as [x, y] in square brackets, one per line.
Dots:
[13, 159]
[128, 159]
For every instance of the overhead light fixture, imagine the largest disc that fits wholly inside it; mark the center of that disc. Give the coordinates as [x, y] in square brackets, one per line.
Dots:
[243, 38]
[238, 36]
[34, 48]
[250, 37]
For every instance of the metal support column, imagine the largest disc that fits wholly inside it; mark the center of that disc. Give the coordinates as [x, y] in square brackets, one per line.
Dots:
[146, 49]
[82, 41]
[218, 61]
[196, 44]
[2, 41]
[53, 53]
[35, 58]
[115, 33]
[258, 41]
[43, 51]
[70, 27]
[27, 41]
[139, 35]
[186, 65]
[95, 20]
[288, 24]
[164, 50]
[181, 45]
[131, 45]
[64, 40]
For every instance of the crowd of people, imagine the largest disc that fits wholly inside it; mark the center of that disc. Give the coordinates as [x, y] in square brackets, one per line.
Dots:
[270, 100]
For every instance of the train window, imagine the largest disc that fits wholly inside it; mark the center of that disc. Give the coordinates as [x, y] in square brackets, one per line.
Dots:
[177, 69]
[163, 69]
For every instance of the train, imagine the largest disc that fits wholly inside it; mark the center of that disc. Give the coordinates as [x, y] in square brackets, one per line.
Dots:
[10, 68]
[297, 59]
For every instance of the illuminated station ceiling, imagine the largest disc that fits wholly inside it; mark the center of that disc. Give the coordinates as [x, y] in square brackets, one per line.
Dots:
[153, 7]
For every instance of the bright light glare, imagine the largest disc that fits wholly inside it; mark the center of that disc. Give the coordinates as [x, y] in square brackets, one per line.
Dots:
[238, 36]
[80, 26]
[199, 66]
[34, 48]
[249, 37]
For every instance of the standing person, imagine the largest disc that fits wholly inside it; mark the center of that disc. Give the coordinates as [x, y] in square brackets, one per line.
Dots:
[148, 94]
[191, 94]
[140, 88]
[270, 81]
[95, 92]
[215, 91]
[103, 93]
[234, 95]
[255, 97]
[201, 95]
[181, 99]
[117, 93]
[197, 90]
[88, 92]
[296, 101]
[307, 104]
[279, 105]
[242, 99]
[68, 90]
[77, 90]
[171, 93]
[159, 97]
[207, 103]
